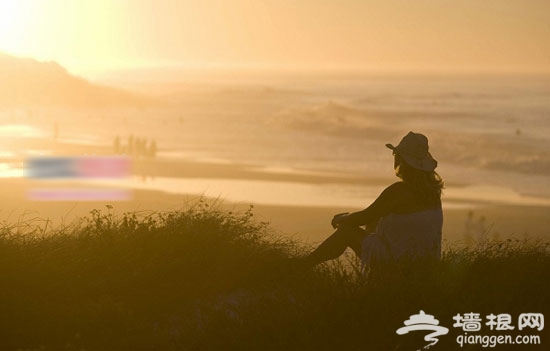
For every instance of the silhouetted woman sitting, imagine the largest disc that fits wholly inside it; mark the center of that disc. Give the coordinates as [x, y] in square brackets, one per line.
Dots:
[404, 223]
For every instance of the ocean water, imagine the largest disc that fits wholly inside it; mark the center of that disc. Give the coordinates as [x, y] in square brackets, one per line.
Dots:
[490, 132]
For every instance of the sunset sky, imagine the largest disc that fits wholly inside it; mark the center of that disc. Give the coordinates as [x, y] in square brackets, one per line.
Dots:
[96, 35]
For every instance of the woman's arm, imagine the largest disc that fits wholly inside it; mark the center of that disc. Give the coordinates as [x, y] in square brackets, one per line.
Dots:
[382, 206]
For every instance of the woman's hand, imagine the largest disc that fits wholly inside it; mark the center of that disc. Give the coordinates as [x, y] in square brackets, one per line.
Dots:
[339, 218]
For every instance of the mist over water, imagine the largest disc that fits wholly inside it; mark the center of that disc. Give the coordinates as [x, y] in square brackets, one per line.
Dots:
[488, 130]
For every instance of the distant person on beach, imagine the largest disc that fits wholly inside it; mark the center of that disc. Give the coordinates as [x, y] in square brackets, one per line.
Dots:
[153, 149]
[405, 222]
[116, 145]
[131, 148]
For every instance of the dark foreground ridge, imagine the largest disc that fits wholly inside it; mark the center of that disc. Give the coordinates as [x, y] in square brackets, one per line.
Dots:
[204, 279]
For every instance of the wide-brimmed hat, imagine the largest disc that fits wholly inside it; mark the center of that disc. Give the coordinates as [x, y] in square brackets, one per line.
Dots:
[413, 148]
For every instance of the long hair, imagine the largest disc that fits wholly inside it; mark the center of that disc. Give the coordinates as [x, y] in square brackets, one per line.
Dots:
[428, 184]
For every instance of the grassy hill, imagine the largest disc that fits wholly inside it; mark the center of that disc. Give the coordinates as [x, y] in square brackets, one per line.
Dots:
[203, 279]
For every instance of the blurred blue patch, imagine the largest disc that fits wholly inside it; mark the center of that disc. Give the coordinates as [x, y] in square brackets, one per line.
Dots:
[51, 167]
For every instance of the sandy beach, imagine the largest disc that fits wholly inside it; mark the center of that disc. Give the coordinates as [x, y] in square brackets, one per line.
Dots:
[297, 165]
[306, 223]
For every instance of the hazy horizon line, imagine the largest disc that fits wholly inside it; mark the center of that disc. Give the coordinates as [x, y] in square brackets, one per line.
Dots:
[174, 72]
[170, 71]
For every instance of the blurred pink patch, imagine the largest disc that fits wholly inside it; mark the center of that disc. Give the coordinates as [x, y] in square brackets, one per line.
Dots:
[79, 194]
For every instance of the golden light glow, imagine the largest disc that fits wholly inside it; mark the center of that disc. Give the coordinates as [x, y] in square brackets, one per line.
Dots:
[93, 35]
[78, 34]
[14, 25]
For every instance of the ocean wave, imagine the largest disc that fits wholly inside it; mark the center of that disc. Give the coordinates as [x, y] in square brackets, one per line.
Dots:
[337, 119]
[455, 137]
[517, 154]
